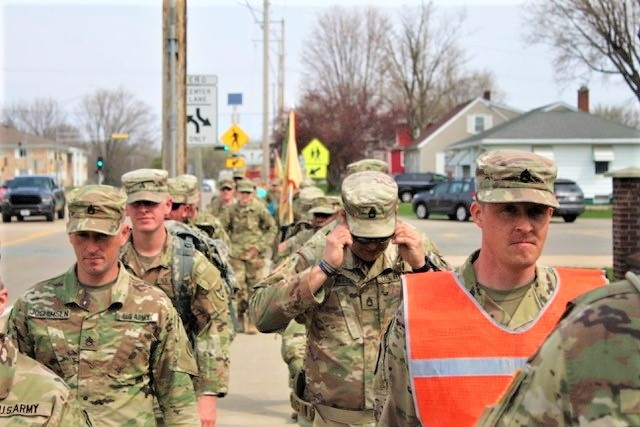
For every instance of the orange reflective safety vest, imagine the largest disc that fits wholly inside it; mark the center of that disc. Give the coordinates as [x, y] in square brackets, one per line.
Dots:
[461, 360]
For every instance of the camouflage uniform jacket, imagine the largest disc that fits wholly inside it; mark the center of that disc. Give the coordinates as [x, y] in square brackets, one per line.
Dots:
[211, 226]
[344, 320]
[217, 209]
[209, 332]
[392, 373]
[32, 395]
[116, 360]
[586, 372]
[293, 243]
[249, 226]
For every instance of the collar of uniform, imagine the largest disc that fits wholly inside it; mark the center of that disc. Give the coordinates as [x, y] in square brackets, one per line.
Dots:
[8, 360]
[71, 287]
[385, 261]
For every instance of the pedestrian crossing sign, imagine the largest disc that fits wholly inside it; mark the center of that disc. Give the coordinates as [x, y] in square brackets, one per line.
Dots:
[315, 153]
[234, 137]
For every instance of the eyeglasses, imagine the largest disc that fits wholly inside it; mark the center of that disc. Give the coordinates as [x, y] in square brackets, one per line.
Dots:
[145, 203]
[368, 240]
[176, 206]
[226, 189]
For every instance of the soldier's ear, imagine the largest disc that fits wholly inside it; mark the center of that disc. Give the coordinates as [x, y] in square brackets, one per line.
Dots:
[4, 296]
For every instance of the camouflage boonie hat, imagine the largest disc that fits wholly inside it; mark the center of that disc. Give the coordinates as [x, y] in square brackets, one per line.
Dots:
[245, 185]
[326, 205]
[227, 183]
[183, 189]
[146, 184]
[368, 165]
[370, 200]
[504, 176]
[98, 208]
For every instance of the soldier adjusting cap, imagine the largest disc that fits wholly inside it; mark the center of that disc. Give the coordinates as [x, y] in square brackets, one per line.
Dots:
[370, 200]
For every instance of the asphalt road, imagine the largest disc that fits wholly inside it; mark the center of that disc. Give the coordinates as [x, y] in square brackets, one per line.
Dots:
[35, 250]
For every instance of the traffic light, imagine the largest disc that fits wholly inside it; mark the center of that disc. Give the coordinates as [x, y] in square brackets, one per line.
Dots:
[100, 162]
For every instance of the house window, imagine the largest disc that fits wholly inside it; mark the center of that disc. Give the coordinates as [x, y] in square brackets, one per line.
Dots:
[479, 124]
[21, 153]
[601, 167]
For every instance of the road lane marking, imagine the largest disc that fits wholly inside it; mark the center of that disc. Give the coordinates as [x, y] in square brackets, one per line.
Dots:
[32, 236]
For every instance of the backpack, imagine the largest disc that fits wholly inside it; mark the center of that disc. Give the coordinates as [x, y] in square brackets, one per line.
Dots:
[186, 240]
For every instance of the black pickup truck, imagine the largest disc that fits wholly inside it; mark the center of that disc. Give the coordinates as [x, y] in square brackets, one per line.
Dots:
[33, 195]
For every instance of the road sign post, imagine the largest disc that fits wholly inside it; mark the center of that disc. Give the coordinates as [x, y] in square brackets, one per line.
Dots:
[202, 110]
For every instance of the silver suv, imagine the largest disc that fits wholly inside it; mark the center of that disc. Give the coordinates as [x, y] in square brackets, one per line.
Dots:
[570, 198]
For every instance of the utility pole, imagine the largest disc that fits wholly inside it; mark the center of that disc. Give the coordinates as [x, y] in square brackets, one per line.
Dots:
[280, 115]
[174, 75]
[265, 93]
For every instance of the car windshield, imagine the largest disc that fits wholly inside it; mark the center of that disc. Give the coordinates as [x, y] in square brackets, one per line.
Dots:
[30, 181]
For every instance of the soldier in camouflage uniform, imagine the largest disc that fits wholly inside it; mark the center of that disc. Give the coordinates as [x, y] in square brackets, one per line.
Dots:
[30, 394]
[185, 200]
[199, 294]
[345, 291]
[226, 198]
[586, 372]
[252, 231]
[116, 341]
[504, 303]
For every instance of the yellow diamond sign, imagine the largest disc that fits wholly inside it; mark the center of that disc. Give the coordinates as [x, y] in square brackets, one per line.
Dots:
[315, 153]
[234, 137]
[235, 162]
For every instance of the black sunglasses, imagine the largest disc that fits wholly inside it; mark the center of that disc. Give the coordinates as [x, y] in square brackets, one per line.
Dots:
[367, 240]
[176, 206]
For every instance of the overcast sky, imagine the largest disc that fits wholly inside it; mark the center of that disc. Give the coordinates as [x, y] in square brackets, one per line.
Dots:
[68, 49]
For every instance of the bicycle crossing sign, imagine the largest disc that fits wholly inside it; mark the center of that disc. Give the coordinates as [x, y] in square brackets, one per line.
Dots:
[234, 137]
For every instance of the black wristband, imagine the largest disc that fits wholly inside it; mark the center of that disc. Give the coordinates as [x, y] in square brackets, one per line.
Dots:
[426, 267]
[328, 270]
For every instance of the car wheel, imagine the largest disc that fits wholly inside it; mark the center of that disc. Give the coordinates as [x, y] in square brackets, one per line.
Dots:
[20, 218]
[406, 196]
[61, 213]
[461, 213]
[421, 211]
[569, 218]
[6, 217]
[51, 215]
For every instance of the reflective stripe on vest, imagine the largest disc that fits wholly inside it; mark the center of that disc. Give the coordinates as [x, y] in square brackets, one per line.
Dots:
[460, 359]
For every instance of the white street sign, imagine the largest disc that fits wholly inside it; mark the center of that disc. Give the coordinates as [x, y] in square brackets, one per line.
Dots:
[202, 110]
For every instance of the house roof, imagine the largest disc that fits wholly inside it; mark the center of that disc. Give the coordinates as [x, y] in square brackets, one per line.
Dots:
[451, 116]
[552, 123]
[10, 136]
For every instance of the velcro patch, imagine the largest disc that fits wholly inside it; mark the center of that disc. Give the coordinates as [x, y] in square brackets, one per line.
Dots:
[26, 409]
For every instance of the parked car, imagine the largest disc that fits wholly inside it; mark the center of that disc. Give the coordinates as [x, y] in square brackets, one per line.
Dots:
[33, 195]
[415, 182]
[571, 199]
[452, 198]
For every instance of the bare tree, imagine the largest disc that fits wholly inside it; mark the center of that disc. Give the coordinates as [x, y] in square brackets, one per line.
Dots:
[598, 36]
[106, 113]
[623, 114]
[427, 66]
[343, 102]
[41, 116]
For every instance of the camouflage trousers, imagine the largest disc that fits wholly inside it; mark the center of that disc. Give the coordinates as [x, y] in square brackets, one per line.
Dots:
[293, 348]
[248, 273]
[333, 417]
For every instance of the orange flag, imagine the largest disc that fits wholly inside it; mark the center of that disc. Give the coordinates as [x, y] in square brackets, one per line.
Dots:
[292, 175]
[277, 166]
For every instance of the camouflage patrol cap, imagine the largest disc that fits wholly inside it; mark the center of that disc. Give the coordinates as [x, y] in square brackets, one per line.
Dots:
[146, 184]
[227, 183]
[307, 182]
[183, 189]
[238, 174]
[326, 205]
[368, 165]
[98, 208]
[504, 176]
[245, 185]
[370, 200]
[308, 193]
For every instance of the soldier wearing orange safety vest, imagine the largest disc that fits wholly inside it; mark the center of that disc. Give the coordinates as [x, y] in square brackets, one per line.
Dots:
[459, 337]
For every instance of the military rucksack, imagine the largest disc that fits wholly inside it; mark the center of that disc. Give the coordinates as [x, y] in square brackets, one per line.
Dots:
[186, 240]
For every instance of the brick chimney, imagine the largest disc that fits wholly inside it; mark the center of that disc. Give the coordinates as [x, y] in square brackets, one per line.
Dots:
[487, 95]
[583, 99]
